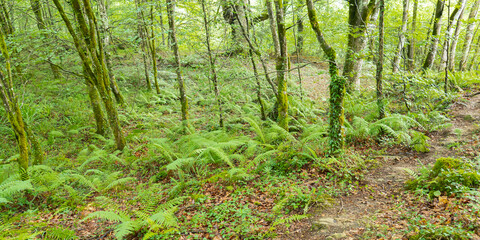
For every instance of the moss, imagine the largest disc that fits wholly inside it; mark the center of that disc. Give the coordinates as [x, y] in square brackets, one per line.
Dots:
[447, 176]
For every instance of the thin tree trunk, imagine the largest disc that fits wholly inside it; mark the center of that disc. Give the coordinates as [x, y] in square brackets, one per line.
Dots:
[105, 30]
[379, 74]
[5, 19]
[144, 42]
[153, 50]
[469, 35]
[13, 112]
[437, 25]
[453, 48]
[212, 64]
[477, 50]
[181, 84]
[358, 17]
[281, 67]
[401, 37]
[452, 21]
[162, 27]
[273, 27]
[36, 8]
[336, 115]
[412, 42]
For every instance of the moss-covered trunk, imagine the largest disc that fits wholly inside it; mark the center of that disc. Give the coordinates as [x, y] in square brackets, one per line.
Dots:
[336, 116]
[358, 16]
[173, 36]
[379, 74]
[281, 67]
[12, 109]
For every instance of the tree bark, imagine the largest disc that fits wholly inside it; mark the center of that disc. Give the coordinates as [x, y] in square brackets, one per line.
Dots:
[234, 15]
[105, 30]
[336, 115]
[359, 13]
[91, 52]
[173, 35]
[437, 25]
[12, 109]
[453, 48]
[469, 35]
[412, 41]
[379, 73]
[401, 37]
[273, 28]
[153, 50]
[452, 21]
[281, 67]
[212, 63]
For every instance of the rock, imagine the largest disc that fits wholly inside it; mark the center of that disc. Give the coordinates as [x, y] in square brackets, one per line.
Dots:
[323, 223]
[337, 236]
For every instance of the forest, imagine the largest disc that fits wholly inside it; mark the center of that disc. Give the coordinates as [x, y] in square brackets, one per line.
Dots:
[240, 119]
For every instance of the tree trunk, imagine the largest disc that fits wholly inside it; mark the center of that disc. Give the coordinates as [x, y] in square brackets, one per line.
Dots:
[401, 37]
[105, 30]
[453, 48]
[359, 13]
[281, 67]
[173, 35]
[212, 63]
[273, 27]
[469, 35]
[336, 116]
[477, 48]
[437, 25]
[412, 42]
[91, 49]
[234, 15]
[379, 74]
[144, 41]
[5, 19]
[153, 50]
[452, 21]
[37, 10]
[12, 109]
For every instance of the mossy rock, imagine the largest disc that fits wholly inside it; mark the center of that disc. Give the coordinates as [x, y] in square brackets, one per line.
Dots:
[448, 175]
[445, 164]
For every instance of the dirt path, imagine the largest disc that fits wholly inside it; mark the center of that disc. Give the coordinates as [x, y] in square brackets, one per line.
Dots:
[383, 187]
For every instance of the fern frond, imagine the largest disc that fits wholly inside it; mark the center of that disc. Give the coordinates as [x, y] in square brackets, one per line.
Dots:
[256, 127]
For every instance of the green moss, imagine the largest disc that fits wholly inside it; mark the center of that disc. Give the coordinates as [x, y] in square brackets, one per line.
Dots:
[448, 175]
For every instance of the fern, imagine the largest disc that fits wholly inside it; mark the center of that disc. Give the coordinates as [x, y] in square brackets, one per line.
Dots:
[256, 128]
[10, 188]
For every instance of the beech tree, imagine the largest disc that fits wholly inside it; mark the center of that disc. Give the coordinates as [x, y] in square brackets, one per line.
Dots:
[91, 51]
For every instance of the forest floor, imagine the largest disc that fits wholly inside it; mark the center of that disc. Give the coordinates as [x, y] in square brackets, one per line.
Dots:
[379, 207]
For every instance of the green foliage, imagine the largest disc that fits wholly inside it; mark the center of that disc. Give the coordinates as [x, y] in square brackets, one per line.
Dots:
[131, 223]
[9, 188]
[440, 232]
[447, 176]
[60, 233]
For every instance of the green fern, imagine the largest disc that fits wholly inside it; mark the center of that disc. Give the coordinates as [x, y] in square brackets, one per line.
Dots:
[9, 188]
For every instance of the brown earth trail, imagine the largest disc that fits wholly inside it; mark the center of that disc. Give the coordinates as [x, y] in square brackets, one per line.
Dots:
[376, 199]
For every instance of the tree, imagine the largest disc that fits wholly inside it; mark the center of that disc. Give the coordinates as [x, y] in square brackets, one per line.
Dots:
[359, 12]
[234, 15]
[273, 29]
[452, 21]
[412, 42]
[336, 115]
[14, 115]
[379, 73]
[401, 37]
[105, 31]
[211, 60]
[173, 40]
[90, 49]
[437, 25]
[281, 66]
[37, 10]
[467, 43]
